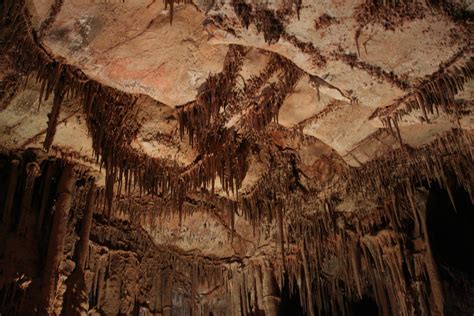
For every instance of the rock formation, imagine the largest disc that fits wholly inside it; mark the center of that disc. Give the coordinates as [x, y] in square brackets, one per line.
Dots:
[236, 157]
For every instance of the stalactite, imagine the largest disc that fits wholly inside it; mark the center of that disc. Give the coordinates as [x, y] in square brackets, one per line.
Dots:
[33, 171]
[307, 278]
[170, 4]
[45, 200]
[243, 11]
[56, 241]
[270, 292]
[53, 117]
[157, 285]
[167, 298]
[431, 267]
[236, 305]
[12, 188]
[281, 236]
[83, 246]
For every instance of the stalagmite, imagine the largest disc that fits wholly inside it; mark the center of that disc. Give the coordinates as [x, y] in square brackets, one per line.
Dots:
[56, 240]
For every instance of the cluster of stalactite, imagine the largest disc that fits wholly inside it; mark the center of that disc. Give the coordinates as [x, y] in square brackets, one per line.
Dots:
[261, 200]
[107, 255]
[198, 270]
[223, 150]
[214, 95]
[329, 255]
[257, 113]
[334, 257]
[226, 158]
[171, 3]
[446, 160]
[271, 98]
[272, 25]
[344, 257]
[106, 111]
[324, 21]
[393, 13]
[374, 71]
[255, 83]
[48, 22]
[8, 88]
[434, 94]
[62, 254]
[268, 22]
[35, 203]
[390, 14]
[317, 59]
[380, 243]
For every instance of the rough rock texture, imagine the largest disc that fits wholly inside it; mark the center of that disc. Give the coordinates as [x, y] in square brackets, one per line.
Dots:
[199, 157]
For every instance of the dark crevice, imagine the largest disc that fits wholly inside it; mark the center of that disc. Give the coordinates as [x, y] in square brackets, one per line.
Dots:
[451, 234]
[290, 304]
[451, 231]
[290, 301]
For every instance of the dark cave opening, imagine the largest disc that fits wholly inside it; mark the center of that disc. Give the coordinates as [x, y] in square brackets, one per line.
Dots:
[451, 234]
[290, 301]
[451, 231]
[364, 307]
[290, 305]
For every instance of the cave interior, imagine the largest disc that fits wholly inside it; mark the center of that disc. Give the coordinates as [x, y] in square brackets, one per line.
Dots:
[236, 157]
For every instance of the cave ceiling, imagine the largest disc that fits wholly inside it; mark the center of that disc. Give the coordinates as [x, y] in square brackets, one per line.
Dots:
[187, 112]
[349, 67]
